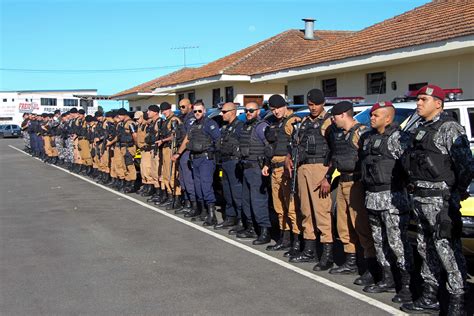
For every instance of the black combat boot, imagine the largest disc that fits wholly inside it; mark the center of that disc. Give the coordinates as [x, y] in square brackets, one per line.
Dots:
[327, 260]
[238, 228]
[121, 185]
[89, 171]
[283, 243]
[195, 210]
[427, 303]
[175, 204]
[295, 247]
[142, 189]
[113, 183]
[107, 179]
[264, 237]
[248, 233]
[404, 295]
[308, 254]
[202, 213]
[229, 222]
[165, 200]
[156, 197]
[129, 187]
[348, 267]
[149, 191]
[456, 305]
[387, 284]
[370, 275]
[211, 218]
[186, 207]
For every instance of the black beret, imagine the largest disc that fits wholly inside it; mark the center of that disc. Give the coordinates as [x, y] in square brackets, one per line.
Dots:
[89, 118]
[276, 101]
[315, 96]
[51, 115]
[109, 114]
[122, 111]
[165, 106]
[154, 108]
[57, 112]
[81, 111]
[341, 107]
[98, 114]
[73, 111]
[44, 115]
[67, 113]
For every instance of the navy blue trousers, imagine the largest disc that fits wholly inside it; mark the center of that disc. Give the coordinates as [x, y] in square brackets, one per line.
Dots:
[255, 197]
[203, 173]
[232, 188]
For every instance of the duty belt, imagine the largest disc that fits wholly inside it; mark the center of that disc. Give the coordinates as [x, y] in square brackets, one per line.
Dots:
[82, 138]
[125, 144]
[246, 164]
[275, 165]
[379, 188]
[345, 177]
[228, 158]
[200, 155]
[312, 161]
[424, 192]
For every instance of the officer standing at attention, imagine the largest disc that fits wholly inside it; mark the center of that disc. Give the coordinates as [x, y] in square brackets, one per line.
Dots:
[352, 219]
[151, 139]
[386, 198]
[438, 162]
[312, 169]
[200, 141]
[228, 147]
[145, 152]
[126, 137]
[254, 184]
[185, 173]
[169, 128]
[278, 135]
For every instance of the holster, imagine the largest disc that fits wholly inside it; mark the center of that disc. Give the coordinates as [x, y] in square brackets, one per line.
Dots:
[128, 158]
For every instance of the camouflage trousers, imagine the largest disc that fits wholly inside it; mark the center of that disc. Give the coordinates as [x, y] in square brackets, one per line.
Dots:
[390, 231]
[438, 253]
[69, 150]
[26, 139]
[58, 140]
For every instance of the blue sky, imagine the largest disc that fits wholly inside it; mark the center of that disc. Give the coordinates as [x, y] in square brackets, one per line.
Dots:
[78, 36]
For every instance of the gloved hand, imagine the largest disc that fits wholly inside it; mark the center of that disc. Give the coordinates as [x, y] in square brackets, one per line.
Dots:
[444, 224]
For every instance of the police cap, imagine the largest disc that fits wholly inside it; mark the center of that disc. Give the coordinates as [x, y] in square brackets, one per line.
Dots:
[276, 101]
[341, 107]
[154, 108]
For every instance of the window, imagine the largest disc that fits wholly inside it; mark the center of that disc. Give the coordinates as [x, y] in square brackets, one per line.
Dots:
[229, 94]
[48, 101]
[6, 118]
[138, 108]
[376, 83]
[180, 97]
[471, 121]
[13, 100]
[286, 91]
[70, 102]
[192, 96]
[4, 100]
[454, 113]
[298, 99]
[216, 96]
[416, 86]
[329, 87]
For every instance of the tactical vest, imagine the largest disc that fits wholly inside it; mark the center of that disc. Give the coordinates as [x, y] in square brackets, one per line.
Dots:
[199, 141]
[151, 134]
[111, 130]
[228, 144]
[251, 147]
[124, 133]
[423, 160]
[377, 163]
[167, 128]
[277, 137]
[141, 134]
[313, 145]
[345, 156]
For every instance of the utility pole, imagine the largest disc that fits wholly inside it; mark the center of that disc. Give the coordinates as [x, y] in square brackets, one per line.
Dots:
[184, 48]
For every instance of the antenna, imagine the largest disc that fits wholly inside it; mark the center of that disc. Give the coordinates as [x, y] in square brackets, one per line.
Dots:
[184, 48]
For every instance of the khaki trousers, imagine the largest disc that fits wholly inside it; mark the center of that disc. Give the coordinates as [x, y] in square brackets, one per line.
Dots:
[352, 218]
[124, 172]
[85, 152]
[155, 173]
[49, 150]
[145, 167]
[104, 162]
[316, 211]
[77, 156]
[169, 179]
[283, 204]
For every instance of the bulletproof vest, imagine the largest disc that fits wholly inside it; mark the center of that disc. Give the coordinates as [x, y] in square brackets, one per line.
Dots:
[423, 160]
[199, 140]
[90, 132]
[277, 137]
[111, 130]
[345, 156]
[141, 134]
[99, 131]
[167, 128]
[251, 147]
[151, 135]
[124, 133]
[228, 144]
[313, 144]
[377, 163]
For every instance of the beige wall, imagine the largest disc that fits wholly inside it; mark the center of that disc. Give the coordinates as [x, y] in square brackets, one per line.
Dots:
[449, 72]
[240, 89]
[144, 103]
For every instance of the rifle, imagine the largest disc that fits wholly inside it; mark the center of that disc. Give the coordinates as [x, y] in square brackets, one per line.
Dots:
[295, 155]
[174, 149]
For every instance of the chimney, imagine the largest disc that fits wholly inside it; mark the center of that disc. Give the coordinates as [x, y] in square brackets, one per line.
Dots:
[309, 29]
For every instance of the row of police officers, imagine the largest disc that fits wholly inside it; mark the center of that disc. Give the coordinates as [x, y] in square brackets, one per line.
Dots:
[286, 166]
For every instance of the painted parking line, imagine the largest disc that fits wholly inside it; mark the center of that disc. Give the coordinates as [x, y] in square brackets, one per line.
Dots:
[385, 307]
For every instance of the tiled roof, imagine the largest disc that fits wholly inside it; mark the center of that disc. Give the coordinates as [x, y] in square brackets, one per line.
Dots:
[246, 61]
[432, 22]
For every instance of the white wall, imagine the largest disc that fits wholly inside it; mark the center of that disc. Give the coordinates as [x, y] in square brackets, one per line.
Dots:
[144, 103]
[449, 72]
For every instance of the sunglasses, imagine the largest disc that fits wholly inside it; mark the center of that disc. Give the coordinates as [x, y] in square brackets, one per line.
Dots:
[182, 107]
[226, 111]
[197, 111]
[250, 110]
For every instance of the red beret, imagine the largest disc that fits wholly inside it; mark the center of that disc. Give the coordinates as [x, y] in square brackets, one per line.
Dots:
[433, 91]
[378, 105]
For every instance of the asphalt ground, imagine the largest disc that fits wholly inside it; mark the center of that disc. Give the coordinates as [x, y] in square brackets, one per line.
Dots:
[71, 247]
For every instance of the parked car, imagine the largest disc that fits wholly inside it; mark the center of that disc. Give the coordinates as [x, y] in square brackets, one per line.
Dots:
[10, 130]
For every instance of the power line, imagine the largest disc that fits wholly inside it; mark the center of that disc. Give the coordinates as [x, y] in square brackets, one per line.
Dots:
[87, 71]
